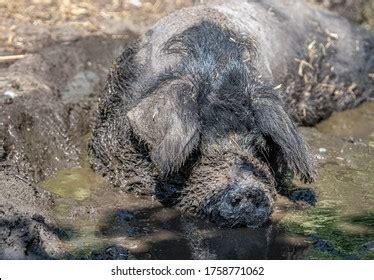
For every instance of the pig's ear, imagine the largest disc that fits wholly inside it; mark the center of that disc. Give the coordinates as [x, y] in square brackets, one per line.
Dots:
[168, 122]
[274, 122]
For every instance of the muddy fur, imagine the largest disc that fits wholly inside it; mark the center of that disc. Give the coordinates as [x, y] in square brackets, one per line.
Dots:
[315, 92]
[199, 113]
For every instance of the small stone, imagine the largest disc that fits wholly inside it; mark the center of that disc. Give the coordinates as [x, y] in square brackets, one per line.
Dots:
[10, 93]
[322, 150]
[136, 3]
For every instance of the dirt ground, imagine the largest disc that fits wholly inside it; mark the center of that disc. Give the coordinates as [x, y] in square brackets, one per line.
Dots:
[34, 36]
[360, 11]
[28, 25]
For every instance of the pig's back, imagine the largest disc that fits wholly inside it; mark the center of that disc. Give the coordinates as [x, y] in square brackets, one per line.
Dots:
[281, 28]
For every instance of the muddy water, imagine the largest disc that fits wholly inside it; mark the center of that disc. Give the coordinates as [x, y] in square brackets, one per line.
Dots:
[95, 215]
[341, 225]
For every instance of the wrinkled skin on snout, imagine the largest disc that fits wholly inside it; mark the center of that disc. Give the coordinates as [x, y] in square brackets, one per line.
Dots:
[190, 115]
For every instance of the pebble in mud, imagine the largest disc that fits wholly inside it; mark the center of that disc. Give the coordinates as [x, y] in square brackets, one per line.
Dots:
[322, 150]
[10, 93]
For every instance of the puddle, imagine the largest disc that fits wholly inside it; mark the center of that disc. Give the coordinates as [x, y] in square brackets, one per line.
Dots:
[343, 219]
[75, 183]
[94, 214]
[341, 224]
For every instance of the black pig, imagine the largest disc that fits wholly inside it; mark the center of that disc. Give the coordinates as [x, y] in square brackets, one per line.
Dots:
[201, 111]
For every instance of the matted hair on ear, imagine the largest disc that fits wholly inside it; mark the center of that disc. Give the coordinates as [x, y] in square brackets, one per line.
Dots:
[168, 122]
[273, 121]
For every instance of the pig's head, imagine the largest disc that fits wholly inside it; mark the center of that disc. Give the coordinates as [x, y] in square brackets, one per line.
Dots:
[213, 102]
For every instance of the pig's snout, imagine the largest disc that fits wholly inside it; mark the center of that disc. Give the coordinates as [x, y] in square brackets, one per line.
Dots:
[241, 204]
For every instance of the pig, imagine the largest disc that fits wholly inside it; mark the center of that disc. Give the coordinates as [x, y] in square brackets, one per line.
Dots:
[202, 111]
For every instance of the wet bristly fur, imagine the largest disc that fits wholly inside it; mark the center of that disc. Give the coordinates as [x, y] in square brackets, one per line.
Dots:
[315, 91]
[207, 135]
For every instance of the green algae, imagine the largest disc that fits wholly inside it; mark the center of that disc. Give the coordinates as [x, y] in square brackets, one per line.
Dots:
[76, 183]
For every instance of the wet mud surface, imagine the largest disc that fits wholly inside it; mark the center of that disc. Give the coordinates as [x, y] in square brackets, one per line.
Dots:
[47, 102]
[340, 225]
[149, 230]
[53, 206]
[342, 218]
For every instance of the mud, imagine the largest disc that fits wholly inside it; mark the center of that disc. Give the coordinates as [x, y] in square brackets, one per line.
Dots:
[332, 219]
[360, 11]
[26, 226]
[52, 206]
[47, 102]
[151, 231]
[343, 215]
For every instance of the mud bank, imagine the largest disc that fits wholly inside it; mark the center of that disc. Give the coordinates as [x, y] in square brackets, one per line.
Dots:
[27, 229]
[46, 105]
